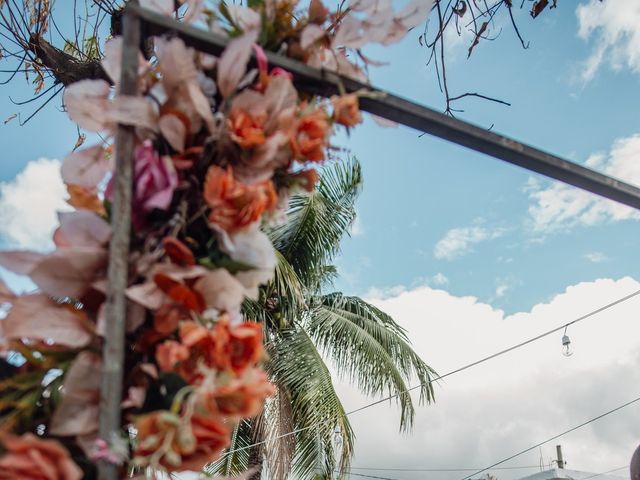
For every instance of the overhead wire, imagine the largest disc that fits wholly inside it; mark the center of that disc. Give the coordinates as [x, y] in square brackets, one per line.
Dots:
[604, 473]
[378, 477]
[506, 350]
[452, 372]
[521, 467]
[572, 429]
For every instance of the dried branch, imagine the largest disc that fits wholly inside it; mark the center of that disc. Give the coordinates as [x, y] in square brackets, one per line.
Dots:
[480, 24]
[64, 67]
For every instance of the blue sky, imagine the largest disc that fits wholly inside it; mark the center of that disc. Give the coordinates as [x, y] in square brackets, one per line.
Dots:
[468, 253]
[417, 189]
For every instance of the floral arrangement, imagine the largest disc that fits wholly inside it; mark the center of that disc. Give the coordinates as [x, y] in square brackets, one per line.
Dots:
[219, 149]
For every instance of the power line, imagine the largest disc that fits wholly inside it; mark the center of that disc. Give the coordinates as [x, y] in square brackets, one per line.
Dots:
[604, 473]
[506, 350]
[553, 438]
[377, 477]
[368, 476]
[452, 372]
[522, 467]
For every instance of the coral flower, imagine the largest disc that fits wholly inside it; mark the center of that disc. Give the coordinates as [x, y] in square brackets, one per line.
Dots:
[167, 318]
[85, 198]
[31, 458]
[169, 354]
[180, 444]
[234, 205]
[211, 436]
[345, 110]
[310, 139]
[198, 346]
[224, 348]
[179, 292]
[306, 179]
[178, 252]
[241, 398]
[246, 130]
[242, 348]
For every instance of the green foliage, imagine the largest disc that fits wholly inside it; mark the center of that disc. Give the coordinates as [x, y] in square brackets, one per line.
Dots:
[306, 330]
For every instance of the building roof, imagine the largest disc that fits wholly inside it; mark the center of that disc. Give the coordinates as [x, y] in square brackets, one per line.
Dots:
[566, 474]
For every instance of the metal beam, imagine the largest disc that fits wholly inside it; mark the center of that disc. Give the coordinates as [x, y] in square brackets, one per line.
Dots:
[400, 110]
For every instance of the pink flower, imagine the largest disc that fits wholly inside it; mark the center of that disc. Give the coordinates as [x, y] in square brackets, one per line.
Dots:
[155, 180]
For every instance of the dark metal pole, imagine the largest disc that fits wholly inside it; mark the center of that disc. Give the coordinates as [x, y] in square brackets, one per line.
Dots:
[115, 309]
[635, 465]
[560, 459]
[421, 118]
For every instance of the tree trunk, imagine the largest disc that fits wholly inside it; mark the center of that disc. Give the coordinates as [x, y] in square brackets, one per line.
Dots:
[256, 457]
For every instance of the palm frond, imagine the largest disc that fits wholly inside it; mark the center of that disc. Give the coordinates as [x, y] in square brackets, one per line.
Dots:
[369, 348]
[317, 221]
[237, 461]
[297, 368]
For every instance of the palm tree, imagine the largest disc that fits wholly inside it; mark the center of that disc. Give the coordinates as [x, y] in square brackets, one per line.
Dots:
[309, 334]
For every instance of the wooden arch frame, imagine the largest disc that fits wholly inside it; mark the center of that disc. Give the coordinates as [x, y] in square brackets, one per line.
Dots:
[139, 22]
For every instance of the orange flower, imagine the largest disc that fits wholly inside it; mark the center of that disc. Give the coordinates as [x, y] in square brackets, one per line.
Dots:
[167, 318]
[178, 252]
[87, 198]
[345, 110]
[225, 348]
[178, 443]
[198, 345]
[180, 292]
[310, 138]
[245, 345]
[246, 130]
[306, 179]
[31, 458]
[212, 437]
[234, 205]
[241, 398]
[169, 354]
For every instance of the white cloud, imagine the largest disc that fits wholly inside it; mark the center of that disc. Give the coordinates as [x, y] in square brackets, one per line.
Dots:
[561, 207]
[495, 409]
[439, 279]
[385, 292]
[357, 228]
[612, 26]
[505, 285]
[28, 205]
[596, 257]
[459, 241]
[502, 289]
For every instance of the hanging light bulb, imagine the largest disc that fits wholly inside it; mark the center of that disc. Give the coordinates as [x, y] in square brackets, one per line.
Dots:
[566, 344]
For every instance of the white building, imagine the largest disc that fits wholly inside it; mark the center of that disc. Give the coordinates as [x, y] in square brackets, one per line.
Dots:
[561, 473]
[566, 474]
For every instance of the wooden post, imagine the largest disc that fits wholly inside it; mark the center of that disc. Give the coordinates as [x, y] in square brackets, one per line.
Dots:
[117, 275]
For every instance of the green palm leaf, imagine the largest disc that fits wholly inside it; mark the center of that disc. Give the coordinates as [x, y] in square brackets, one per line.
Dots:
[369, 348]
[297, 368]
[317, 221]
[237, 460]
[304, 328]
